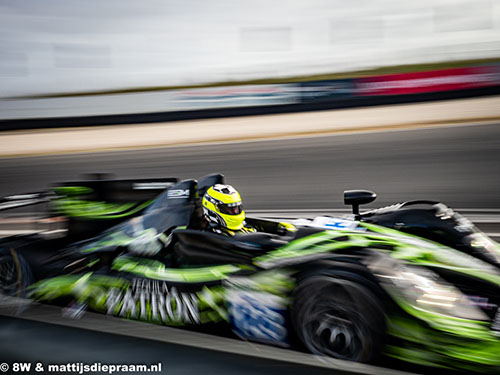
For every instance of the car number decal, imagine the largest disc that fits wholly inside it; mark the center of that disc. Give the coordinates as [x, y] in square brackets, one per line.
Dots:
[258, 316]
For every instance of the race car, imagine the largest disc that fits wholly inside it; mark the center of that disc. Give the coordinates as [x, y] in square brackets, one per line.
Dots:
[414, 281]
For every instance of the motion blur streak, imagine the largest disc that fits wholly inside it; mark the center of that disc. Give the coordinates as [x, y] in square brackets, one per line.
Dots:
[454, 165]
[72, 46]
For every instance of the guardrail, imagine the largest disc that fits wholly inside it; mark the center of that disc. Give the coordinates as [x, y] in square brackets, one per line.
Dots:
[241, 100]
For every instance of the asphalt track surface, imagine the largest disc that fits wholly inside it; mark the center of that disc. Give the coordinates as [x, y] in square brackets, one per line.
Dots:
[96, 338]
[26, 342]
[458, 165]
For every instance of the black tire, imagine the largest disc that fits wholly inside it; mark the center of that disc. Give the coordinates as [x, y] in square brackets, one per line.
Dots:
[15, 273]
[336, 314]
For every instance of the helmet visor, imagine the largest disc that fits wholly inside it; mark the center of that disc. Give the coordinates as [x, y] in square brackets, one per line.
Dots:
[230, 208]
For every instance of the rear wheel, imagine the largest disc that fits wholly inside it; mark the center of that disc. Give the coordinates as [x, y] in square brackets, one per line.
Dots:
[15, 273]
[337, 315]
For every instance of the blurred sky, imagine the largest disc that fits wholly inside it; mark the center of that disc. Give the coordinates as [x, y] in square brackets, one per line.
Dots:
[70, 46]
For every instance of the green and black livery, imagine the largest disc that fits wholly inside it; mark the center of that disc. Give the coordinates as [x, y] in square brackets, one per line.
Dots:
[413, 281]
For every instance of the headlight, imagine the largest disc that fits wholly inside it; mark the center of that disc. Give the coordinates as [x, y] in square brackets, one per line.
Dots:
[421, 291]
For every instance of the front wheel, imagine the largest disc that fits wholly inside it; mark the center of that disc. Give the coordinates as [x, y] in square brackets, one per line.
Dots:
[337, 316]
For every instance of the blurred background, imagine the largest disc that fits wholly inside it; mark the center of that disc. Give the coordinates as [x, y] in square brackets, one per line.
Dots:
[59, 46]
[56, 51]
[71, 63]
[79, 65]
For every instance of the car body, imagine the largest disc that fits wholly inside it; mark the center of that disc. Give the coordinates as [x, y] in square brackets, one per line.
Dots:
[414, 281]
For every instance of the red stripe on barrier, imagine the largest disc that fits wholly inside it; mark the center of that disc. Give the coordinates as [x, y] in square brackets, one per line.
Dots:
[430, 81]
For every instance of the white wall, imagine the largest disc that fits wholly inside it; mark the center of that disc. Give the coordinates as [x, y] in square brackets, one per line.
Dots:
[71, 45]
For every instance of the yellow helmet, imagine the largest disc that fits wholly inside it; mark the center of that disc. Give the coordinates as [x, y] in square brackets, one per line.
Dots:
[222, 205]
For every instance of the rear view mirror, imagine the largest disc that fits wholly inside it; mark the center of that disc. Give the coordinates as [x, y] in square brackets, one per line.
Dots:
[357, 197]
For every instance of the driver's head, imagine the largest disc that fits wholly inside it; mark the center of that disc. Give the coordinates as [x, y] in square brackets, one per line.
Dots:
[222, 206]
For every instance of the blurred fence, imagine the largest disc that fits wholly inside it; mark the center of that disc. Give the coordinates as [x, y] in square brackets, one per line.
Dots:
[249, 99]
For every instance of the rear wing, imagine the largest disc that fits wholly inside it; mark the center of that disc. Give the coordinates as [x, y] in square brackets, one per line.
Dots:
[133, 190]
[96, 189]
[86, 207]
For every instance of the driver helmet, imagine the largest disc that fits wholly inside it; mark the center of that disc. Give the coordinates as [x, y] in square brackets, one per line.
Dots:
[222, 206]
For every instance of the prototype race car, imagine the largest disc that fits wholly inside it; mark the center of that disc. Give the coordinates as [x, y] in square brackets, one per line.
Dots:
[414, 281]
